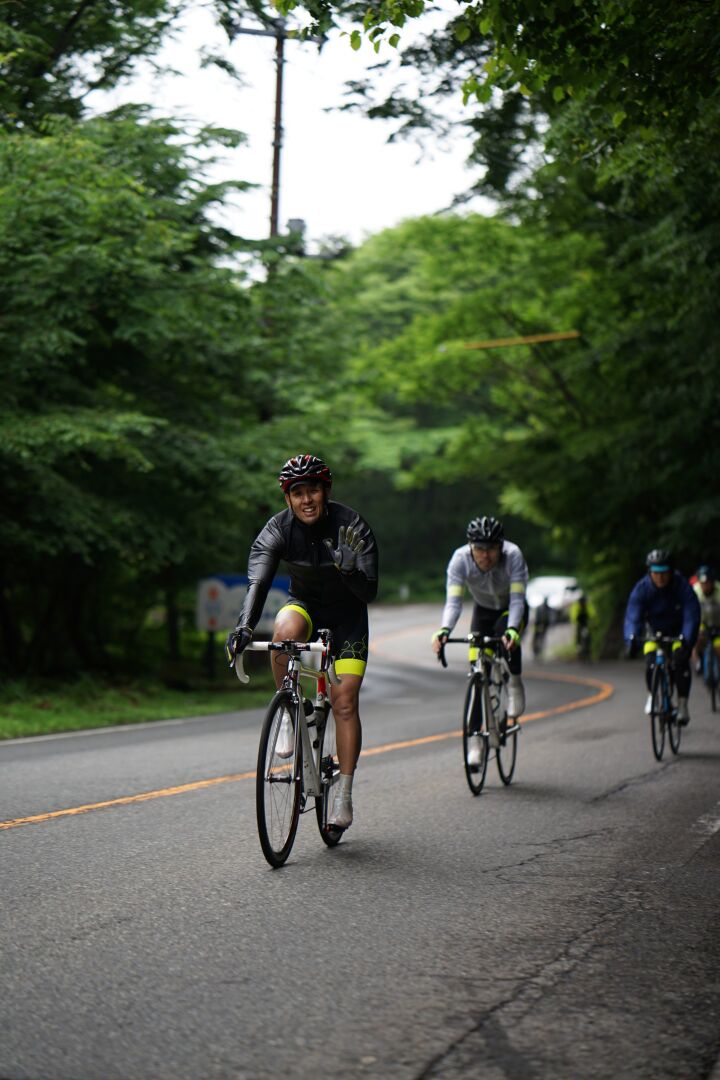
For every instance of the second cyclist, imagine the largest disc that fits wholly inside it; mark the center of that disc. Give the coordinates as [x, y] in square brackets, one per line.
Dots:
[495, 573]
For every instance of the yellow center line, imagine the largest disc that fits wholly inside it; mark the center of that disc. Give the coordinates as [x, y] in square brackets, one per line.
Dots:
[604, 692]
[196, 785]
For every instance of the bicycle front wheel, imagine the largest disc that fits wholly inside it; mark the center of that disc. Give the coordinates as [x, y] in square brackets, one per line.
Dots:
[329, 769]
[278, 783]
[475, 738]
[657, 714]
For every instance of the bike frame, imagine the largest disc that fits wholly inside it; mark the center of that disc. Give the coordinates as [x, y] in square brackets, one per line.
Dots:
[312, 781]
[492, 669]
[660, 661]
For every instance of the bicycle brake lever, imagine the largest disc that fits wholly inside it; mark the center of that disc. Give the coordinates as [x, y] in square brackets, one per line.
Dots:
[441, 656]
[240, 669]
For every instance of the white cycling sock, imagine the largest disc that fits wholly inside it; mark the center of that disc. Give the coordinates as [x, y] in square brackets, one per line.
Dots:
[344, 784]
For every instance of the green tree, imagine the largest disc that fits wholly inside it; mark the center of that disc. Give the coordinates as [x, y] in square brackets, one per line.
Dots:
[53, 55]
[126, 393]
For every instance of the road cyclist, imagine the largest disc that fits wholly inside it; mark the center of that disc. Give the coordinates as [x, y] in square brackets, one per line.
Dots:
[707, 649]
[485, 721]
[664, 601]
[580, 616]
[495, 574]
[332, 558]
[542, 621]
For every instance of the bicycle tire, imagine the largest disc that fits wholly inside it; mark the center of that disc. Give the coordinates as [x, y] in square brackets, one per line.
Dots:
[584, 651]
[278, 785]
[657, 714]
[506, 752]
[674, 731]
[712, 676]
[474, 724]
[329, 769]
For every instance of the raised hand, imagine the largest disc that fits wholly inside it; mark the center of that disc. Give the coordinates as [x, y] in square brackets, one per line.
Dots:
[349, 546]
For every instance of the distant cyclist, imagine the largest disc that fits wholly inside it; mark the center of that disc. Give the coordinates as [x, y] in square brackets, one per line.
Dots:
[708, 594]
[580, 615]
[495, 573]
[541, 624]
[332, 557]
[664, 600]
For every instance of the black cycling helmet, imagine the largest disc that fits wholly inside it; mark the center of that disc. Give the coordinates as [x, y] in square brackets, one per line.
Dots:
[485, 530]
[659, 559]
[706, 573]
[303, 468]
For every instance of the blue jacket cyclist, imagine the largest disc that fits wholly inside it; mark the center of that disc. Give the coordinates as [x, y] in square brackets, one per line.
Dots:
[664, 600]
[332, 557]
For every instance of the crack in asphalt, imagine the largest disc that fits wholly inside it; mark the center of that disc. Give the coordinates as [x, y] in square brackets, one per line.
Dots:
[512, 1063]
[634, 781]
[549, 847]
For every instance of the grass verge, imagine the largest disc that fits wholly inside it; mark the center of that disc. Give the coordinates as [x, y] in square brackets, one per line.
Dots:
[42, 708]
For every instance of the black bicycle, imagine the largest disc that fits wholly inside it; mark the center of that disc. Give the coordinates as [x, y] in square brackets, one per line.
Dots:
[304, 765]
[583, 643]
[710, 665]
[538, 640]
[663, 700]
[486, 727]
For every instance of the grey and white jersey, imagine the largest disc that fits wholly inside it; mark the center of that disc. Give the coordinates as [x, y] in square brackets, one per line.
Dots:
[502, 588]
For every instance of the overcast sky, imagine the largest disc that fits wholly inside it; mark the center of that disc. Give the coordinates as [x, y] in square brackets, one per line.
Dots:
[338, 173]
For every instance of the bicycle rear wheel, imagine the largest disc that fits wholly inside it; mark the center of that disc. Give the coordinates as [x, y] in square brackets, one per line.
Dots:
[329, 769]
[674, 731]
[475, 737]
[506, 752]
[278, 784]
[657, 714]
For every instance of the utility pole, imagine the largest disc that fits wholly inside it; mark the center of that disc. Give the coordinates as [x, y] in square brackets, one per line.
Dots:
[280, 32]
[277, 130]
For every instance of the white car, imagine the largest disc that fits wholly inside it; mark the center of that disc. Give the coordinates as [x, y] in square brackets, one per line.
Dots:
[560, 592]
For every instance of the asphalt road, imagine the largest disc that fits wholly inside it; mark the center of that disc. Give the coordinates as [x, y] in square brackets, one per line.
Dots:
[565, 927]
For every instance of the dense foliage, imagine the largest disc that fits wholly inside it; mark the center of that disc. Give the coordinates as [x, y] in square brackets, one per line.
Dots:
[595, 126]
[149, 388]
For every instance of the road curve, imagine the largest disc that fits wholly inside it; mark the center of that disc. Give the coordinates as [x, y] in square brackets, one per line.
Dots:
[563, 927]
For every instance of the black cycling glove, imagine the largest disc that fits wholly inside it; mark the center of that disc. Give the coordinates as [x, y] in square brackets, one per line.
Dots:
[237, 640]
[349, 546]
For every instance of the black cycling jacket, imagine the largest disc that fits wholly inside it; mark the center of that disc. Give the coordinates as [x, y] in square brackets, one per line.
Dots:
[314, 578]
